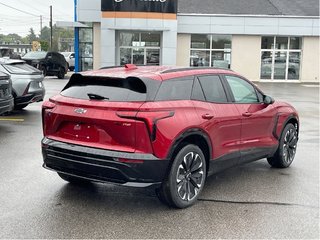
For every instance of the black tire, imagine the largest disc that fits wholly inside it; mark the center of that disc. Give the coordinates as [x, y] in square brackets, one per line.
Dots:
[44, 71]
[186, 178]
[73, 180]
[61, 73]
[71, 69]
[20, 107]
[287, 148]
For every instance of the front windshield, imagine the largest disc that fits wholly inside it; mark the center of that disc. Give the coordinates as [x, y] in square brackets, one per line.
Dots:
[35, 55]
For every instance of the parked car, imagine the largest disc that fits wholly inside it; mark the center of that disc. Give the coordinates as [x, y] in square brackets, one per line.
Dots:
[69, 56]
[9, 52]
[50, 63]
[6, 98]
[162, 126]
[27, 82]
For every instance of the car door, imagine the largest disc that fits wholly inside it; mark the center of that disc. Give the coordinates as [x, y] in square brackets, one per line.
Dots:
[220, 118]
[257, 119]
[50, 62]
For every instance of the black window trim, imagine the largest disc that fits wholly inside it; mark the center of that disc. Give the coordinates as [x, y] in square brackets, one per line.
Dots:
[223, 86]
[230, 93]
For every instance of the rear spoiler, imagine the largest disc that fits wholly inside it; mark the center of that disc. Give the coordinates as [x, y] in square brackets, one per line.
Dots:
[132, 83]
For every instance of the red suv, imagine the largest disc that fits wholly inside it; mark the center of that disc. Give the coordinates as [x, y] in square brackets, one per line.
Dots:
[162, 126]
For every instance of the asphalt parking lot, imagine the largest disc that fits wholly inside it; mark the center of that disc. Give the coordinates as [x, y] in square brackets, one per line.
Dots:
[250, 201]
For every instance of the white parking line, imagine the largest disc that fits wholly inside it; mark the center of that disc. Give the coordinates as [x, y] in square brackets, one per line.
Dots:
[311, 85]
[12, 119]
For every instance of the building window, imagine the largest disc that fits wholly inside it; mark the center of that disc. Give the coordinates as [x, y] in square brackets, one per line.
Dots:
[280, 58]
[86, 48]
[141, 48]
[210, 51]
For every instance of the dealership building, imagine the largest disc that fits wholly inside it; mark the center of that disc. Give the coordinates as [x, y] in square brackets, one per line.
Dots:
[274, 40]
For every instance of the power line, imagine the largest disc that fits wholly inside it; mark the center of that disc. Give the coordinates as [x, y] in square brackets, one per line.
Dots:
[19, 10]
[28, 5]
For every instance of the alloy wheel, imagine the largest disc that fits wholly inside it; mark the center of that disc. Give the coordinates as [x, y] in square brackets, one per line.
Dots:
[190, 176]
[290, 145]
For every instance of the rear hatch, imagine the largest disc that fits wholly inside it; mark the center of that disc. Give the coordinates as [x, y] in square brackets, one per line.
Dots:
[19, 67]
[93, 111]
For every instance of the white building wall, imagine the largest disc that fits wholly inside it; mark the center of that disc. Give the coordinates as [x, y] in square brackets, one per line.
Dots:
[183, 50]
[246, 56]
[96, 45]
[310, 63]
[248, 25]
[89, 11]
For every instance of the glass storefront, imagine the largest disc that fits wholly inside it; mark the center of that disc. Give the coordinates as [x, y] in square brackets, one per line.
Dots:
[210, 50]
[86, 48]
[280, 58]
[140, 48]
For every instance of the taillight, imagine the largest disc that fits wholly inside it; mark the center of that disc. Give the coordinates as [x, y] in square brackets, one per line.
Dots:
[47, 107]
[149, 118]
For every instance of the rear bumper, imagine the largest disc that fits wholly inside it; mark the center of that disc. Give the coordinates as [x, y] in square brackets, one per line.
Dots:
[30, 98]
[6, 105]
[103, 165]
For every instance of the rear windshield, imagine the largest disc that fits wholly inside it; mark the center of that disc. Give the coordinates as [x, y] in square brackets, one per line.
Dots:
[21, 68]
[35, 55]
[110, 89]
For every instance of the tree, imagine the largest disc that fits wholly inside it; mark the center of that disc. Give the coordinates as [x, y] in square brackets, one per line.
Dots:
[32, 36]
[44, 45]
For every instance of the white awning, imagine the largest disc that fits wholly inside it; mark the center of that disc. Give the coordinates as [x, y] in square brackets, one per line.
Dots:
[66, 24]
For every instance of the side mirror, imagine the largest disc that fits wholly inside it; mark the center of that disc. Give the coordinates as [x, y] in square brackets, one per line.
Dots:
[268, 100]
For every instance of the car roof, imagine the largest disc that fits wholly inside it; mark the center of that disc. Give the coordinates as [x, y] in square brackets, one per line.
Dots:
[8, 61]
[154, 72]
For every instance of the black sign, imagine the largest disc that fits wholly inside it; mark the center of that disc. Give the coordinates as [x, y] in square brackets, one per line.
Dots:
[160, 6]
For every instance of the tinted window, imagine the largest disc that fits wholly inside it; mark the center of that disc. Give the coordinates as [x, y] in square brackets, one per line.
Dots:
[213, 89]
[113, 89]
[243, 91]
[175, 89]
[197, 93]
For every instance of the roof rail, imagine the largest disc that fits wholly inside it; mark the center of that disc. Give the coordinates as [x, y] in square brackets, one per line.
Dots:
[192, 69]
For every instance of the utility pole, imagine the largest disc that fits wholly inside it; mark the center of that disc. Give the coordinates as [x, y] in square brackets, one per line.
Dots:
[40, 24]
[50, 27]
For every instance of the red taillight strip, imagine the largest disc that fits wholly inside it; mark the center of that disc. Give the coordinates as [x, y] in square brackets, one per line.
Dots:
[150, 118]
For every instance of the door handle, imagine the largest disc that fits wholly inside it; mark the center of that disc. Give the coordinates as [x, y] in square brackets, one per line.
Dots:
[207, 116]
[246, 114]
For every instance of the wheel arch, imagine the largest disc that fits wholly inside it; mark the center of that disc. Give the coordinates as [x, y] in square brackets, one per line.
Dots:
[194, 136]
[280, 125]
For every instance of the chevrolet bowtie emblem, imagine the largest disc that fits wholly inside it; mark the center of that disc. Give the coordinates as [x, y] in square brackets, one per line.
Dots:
[80, 110]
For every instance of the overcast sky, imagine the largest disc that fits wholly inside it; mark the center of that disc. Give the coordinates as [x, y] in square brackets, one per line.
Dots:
[14, 21]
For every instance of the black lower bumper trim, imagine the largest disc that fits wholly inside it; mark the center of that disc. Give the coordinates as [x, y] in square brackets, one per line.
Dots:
[29, 98]
[103, 165]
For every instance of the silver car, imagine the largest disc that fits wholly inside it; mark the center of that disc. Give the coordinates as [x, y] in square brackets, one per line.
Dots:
[69, 56]
[27, 82]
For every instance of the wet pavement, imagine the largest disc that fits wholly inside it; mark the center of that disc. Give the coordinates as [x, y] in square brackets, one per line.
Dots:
[250, 201]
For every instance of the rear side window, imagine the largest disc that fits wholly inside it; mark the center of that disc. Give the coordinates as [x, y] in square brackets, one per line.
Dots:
[111, 89]
[213, 89]
[175, 89]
